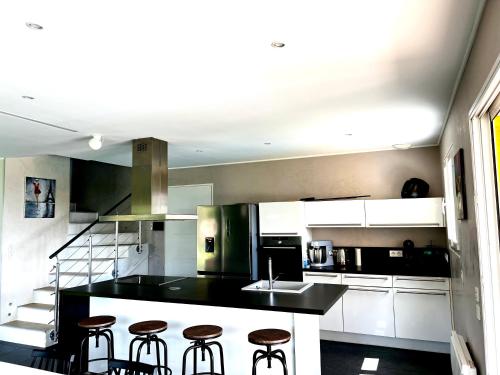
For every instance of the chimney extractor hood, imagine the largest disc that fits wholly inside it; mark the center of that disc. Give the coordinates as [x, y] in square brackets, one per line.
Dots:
[149, 184]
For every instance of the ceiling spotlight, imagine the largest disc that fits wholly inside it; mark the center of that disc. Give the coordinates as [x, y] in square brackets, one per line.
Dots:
[199, 150]
[95, 143]
[34, 26]
[348, 134]
[27, 97]
[402, 146]
[277, 44]
[267, 143]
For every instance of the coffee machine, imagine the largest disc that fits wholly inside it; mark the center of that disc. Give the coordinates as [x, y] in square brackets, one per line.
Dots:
[320, 253]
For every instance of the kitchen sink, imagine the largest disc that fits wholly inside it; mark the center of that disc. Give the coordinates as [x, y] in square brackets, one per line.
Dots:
[295, 287]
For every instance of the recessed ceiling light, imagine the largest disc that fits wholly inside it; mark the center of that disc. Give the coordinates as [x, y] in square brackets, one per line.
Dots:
[267, 143]
[27, 97]
[95, 143]
[34, 26]
[402, 146]
[199, 150]
[277, 44]
[348, 134]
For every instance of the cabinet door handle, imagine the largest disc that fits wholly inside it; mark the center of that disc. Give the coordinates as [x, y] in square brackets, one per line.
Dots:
[319, 274]
[365, 277]
[431, 280]
[427, 293]
[335, 225]
[370, 290]
[403, 225]
[279, 247]
[280, 233]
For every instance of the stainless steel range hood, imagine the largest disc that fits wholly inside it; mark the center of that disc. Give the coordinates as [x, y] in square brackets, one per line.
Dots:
[149, 184]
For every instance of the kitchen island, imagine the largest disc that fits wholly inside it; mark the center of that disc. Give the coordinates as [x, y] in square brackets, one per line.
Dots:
[184, 302]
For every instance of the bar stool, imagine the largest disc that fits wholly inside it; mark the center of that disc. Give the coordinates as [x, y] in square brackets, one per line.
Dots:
[145, 333]
[269, 337]
[98, 326]
[199, 335]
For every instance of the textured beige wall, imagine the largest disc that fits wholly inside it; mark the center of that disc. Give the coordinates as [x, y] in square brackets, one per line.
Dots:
[485, 51]
[27, 243]
[379, 174]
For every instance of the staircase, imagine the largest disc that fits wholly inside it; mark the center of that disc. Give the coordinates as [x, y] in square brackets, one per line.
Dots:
[34, 321]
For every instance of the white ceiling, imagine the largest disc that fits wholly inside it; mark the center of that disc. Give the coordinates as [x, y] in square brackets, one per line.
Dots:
[203, 76]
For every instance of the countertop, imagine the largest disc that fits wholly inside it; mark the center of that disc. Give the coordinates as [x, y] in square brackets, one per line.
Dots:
[401, 270]
[317, 299]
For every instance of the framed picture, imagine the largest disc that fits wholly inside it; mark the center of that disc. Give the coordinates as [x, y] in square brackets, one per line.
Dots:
[460, 198]
[39, 198]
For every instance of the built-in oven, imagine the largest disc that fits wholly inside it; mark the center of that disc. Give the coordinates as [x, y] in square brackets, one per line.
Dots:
[286, 255]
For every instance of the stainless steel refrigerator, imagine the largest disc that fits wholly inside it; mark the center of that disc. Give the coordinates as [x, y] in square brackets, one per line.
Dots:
[227, 241]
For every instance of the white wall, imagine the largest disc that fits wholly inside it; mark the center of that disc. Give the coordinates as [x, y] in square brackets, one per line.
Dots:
[2, 165]
[180, 236]
[27, 243]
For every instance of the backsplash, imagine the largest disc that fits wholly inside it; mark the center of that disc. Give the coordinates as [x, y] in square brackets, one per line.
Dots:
[381, 237]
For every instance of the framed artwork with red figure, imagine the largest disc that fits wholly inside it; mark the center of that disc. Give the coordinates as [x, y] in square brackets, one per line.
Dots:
[39, 198]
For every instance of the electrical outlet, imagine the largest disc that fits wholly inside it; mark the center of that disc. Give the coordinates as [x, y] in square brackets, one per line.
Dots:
[478, 311]
[396, 253]
[476, 293]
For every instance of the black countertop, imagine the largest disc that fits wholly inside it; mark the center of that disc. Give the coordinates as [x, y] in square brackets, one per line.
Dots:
[317, 299]
[428, 262]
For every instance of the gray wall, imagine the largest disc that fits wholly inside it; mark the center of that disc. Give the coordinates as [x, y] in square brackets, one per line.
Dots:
[379, 174]
[485, 51]
[97, 186]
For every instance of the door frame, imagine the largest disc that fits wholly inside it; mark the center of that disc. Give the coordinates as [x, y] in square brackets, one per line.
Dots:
[487, 222]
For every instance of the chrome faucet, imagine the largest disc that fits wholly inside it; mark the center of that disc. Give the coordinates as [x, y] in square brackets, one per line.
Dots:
[270, 270]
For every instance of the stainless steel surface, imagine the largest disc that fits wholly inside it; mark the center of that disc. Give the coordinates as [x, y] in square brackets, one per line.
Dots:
[279, 247]
[270, 272]
[149, 176]
[90, 259]
[366, 277]
[117, 233]
[420, 279]
[156, 217]
[57, 301]
[427, 293]
[209, 226]
[227, 241]
[369, 290]
[139, 237]
[149, 184]
[235, 239]
[294, 287]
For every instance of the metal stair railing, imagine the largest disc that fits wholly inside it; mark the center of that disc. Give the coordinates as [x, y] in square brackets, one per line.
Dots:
[87, 267]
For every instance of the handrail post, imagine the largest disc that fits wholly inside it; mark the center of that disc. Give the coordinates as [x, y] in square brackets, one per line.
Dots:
[90, 258]
[140, 238]
[116, 250]
[56, 303]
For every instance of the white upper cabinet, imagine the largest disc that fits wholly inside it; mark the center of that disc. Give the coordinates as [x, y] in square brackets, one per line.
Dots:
[281, 218]
[416, 212]
[344, 213]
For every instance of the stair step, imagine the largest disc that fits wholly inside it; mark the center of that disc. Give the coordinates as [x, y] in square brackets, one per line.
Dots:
[27, 333]
[36, 313]
[44, 295]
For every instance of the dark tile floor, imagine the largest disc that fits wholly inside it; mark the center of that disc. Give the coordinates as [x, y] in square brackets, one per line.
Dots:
[336, 359]
[346, 359]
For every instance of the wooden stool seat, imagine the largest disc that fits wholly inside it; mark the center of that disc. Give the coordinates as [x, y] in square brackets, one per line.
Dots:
[269, 337]
[100, 321]
[202, 332]
[148, 327]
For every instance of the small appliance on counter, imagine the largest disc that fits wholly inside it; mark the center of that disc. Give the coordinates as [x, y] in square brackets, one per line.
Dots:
[320, 253]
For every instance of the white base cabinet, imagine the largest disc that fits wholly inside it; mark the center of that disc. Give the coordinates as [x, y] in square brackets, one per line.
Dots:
[422, 314]
[332, 320]
[369, 311]
[404, 307]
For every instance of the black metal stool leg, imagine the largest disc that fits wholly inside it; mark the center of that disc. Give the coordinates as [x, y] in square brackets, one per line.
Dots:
[254, 368]
[221, 355]
[195, 360]
[86, 338]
